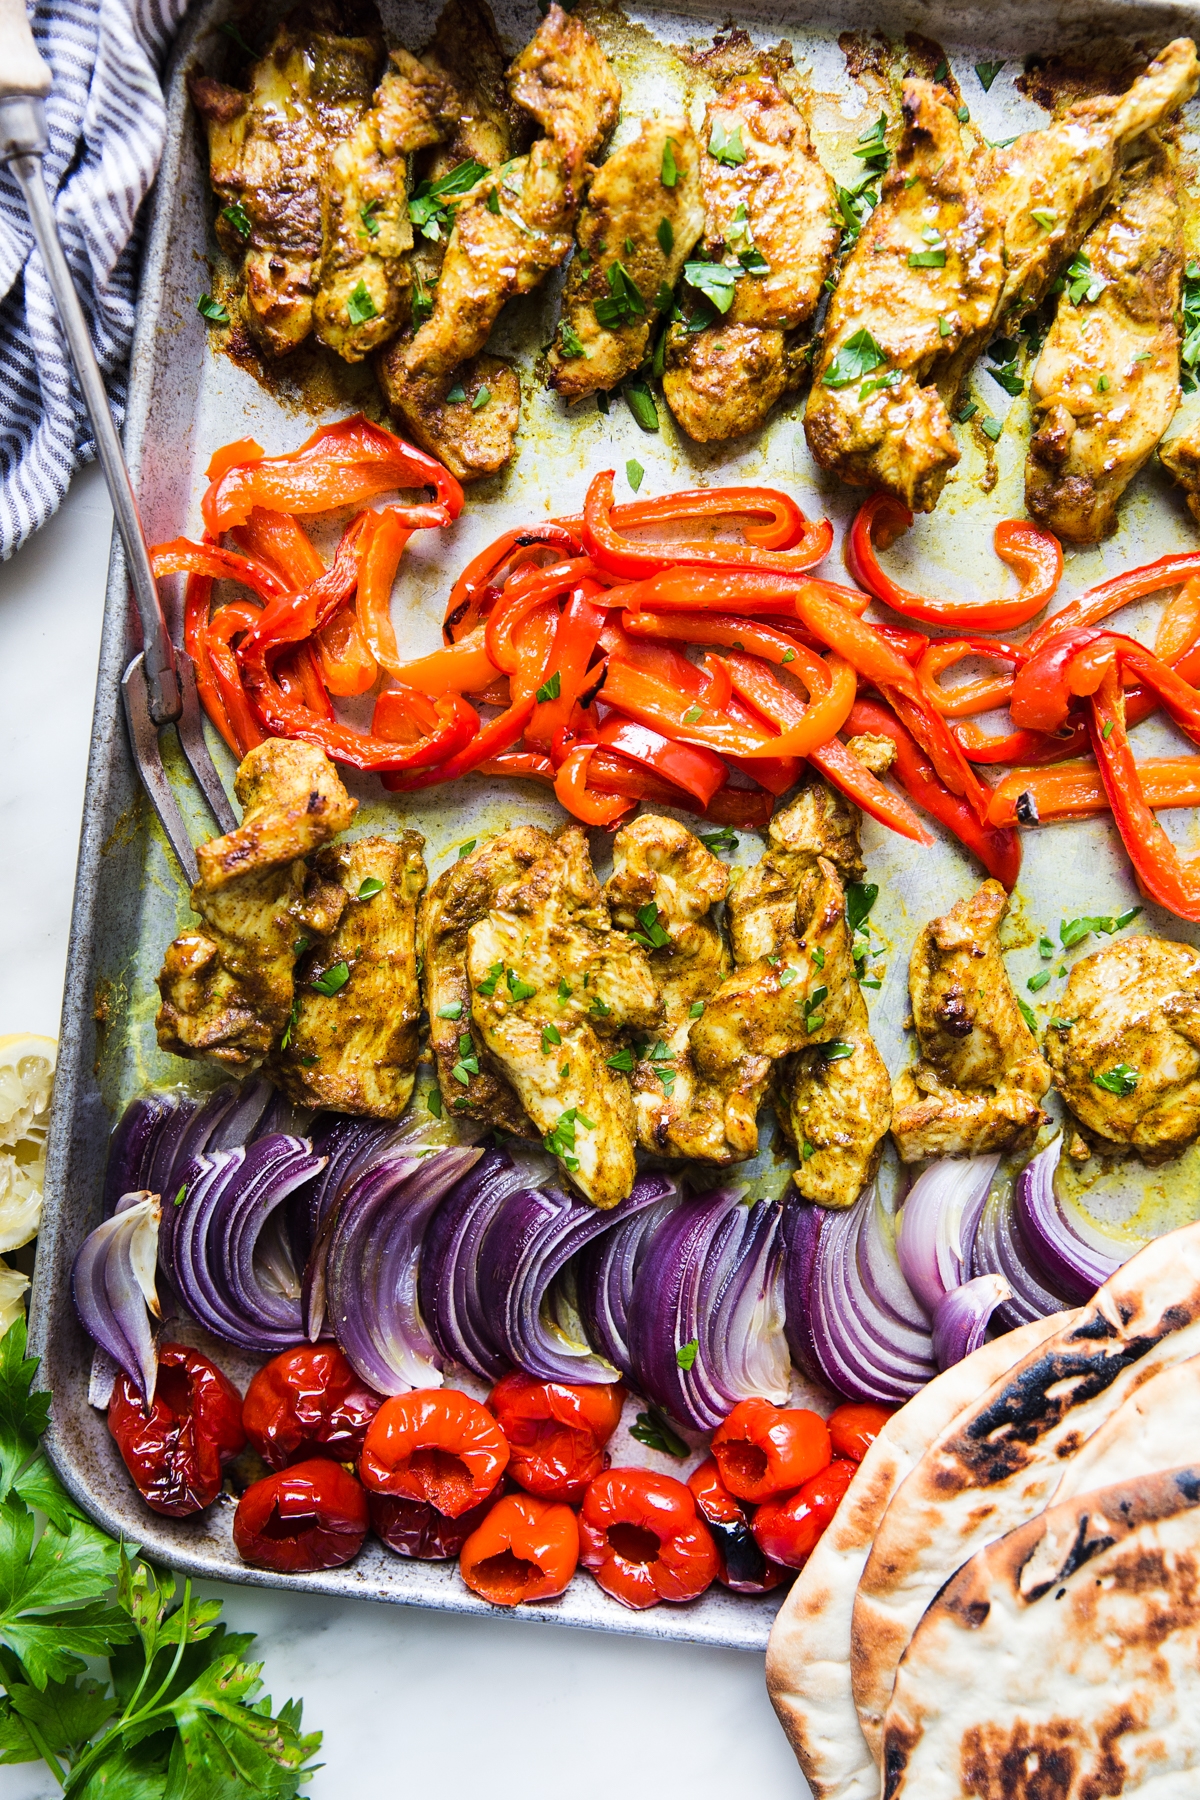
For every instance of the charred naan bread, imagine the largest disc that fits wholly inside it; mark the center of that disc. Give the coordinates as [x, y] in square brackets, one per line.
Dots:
[1063, 1660]
[808, 1657]
[1001, 1461]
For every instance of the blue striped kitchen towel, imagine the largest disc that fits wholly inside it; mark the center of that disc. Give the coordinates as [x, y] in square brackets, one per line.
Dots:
[107, 121]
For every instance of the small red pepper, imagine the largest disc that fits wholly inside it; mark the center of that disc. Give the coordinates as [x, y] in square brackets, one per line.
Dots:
[436, 1445]
[310, 1516]
[1036, 557]
[788, 1530]
[414, 1528]
[525, 1549]
[743, 1567]
[763, 1450]
[854, 1426]
[998, 849]
[556, 1432]
[307, 1402]
[643, 1539]
[176, 1450]
[626, 557]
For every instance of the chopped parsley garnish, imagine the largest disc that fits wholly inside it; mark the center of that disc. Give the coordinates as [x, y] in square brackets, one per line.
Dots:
[860, 355]
[1119, 1080]
[652, 1430]
[622, 1061]
[933, 258]
[422, 301]
[695, 1009]
[992, 428]
[1046, 948]
[457, 395]
[560, 1140]
[640, 402]
[564, 991]
[860, 898]
[650, 934]
[425, 209]
[1038, 981]
[482, 396]
[570, 341]
[300, 946]
[1081, 282]
[600, 1008]
[963, 114]
[488, 985]
[433, 1100]
[813, 1016]
[622, 303]
[715, 281]
[360, 307]
[726, 147]
[453, 1011]
[518, 989]
[1189, 354]
[332, 981]
[368, 889]
[666, 236]
[1073, 931]
[787, 977]
[686, 1354]
[1027, 1013]
[754, 262]
[236, 215]
[818, 957]
[967, 411]
[693, 715]
[1045, 218]
[890, 380]
[293, 1021]
[550, 690]
[551, 1035]
[493, 201]
[634, 473]
[719, 840]
[1109, 725]
[987, 73]
[836, 1049]
[1103, 385]
[181, 1196]
[367, 214]
[212, 310]
[871, 146]
[669, 171]
[466, 849]
[944, 326]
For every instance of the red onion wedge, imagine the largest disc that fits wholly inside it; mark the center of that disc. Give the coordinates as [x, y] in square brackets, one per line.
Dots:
[705, 1325]
[371, 1268]
[606, 1273]
[113, 1285]
[962, 1315]
[851, 1321]
[998, 1250]
[1069, 1263]
[936, 1225]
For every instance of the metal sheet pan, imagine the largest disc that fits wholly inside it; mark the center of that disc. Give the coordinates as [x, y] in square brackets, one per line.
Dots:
[185, 400]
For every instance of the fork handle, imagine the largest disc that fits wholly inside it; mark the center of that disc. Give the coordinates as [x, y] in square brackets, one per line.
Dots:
[22, 70]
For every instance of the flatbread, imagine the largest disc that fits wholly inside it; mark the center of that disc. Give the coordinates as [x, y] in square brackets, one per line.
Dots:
[1001, 1461]
[1159, 1423]
[1063, 1662]
[808, 1657]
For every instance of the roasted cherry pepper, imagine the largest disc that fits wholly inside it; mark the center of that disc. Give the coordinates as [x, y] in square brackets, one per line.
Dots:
[311, 1516]
[308, 1402]
[763, 1450]
[176, 1448]
[525, 1549]
[436, 1445]
[643, 1539]
[556, 1433]
[743, 1567]
[787, 1530]
[414, 1528]
[854, 1426]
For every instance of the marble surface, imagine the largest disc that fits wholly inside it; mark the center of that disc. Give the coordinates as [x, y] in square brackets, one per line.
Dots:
[410, 1702]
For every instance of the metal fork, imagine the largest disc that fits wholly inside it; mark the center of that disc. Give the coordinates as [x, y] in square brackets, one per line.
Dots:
[159, 686]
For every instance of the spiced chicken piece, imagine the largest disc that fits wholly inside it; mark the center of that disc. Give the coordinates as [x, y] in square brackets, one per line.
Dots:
[509, 232]
[769, 222]
[352, 1043]
[1106, 383]
[367, 233]
[976, 1085]
[1126, 1053]
[1181, 459]
[634, 235]
[552, 985]
[268, 147]
[467, 51]
[227, 988]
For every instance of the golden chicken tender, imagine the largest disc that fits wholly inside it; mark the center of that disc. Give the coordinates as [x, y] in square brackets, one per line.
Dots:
[834, 1103]
[227, 988]
[976, 1085]
[634, 235]
[352, 1041]
[1126, 1049]
[466, 49]
[1106, 384]
[551, 986]
[267, 150]
[770, 222]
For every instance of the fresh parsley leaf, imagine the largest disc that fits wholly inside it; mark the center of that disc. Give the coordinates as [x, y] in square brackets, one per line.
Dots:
[668, 170]
[1045, 948]
[650, 933]
[368, 889]
[695, 1009]
[666, 236]
[726, 147]
[787, 976]
[600, 1008]
[1120, 1079]
[987, 73]
[623, 303]
[652, 1430]
[967, 411]
[1081, 281]
[551, 1035]
[433, 1101]
[860, 898]
[686, 1354]
[818, 957]
[1010, 381]
[992, 427]
[716, 281]
[725, 839]
[570, 341]
[333, 980]
[634, 473]
[836, 1049]
[23, 1416]
[622, 1061]
[360, 307]
[289, 1029]
[640, 402]
[520, 990]
[693, 715]
[858, 356]
[236, 215]
[466, 849]
[550, 690]
[1045, 218]
[1038, 981]
[453, 1011]
[488, 985]
[212, 309]
[425, 209]
[457, 395]
[564, 991]
[1027, 1013]
[928, 259]
[422, 301]
[481, 398]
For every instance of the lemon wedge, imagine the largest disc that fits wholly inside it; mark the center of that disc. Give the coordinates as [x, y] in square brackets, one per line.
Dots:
[26, 1084]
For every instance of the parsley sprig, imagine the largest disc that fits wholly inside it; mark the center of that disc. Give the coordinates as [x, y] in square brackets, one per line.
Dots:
[427, 211]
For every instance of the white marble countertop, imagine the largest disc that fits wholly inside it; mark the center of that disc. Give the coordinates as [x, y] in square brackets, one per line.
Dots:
[410, 1702]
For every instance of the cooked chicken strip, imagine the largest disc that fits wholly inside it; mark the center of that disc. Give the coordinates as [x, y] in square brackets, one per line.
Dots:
[353, 1047]
[633, 229]
[664, 885]
[366, 231]
[458, 899]
[877, 413]
[227, 988]
[466, 49]
[267, 149]
[564, 80]
[976, 1085]
[551, 986]
[1106, 384]
[886, 423]
[1134, 1012]
[1181, 459]
[781, 886]
[776, 208]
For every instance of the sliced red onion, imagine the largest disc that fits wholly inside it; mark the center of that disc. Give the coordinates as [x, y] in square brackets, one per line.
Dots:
[606, 1273]
[449, 1273]
[1068, 1262]
[848, 1321]
[113, 1285]
[937, 1220]
[371, 1267]
[961, 1318]
[998, 1250]
[132, 1144]
[711, 1275]
[239, 1284]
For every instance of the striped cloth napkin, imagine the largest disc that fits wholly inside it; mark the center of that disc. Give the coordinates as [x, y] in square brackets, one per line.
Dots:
[107, 122]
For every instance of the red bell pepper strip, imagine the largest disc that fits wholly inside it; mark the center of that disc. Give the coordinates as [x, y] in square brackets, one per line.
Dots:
[521, 597]
[653, 703]
[1075, 790]
[971, 696]
[346, 663]
[877, 661]
[244, 731]
[842, 769]
[197, 603]
[339, 465]
[575, 638]
[1107, 596]
[475, 591]
[1034, 555]
[767, 641]
[402, 715]
[279, 540]
[626, 557]
[529, 764]
[299, 675]
[716, 685]
[583, 803]
[999, 850]
[612, 773]
[483, 743]
[1161, 873]
[231, 456]
[746, 591]
[219, 564]
[832, 687]
[1042, 696]
[462, 668]
[1179, 623]
[773, 519]
[699, 772]
[385, 537]
[1024, 746]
